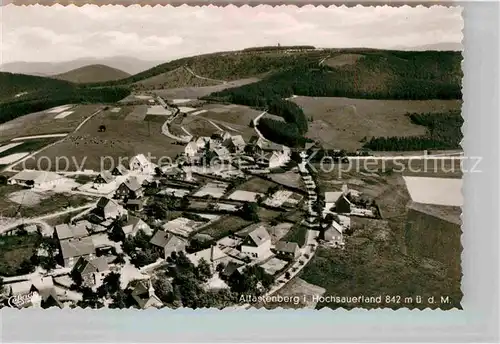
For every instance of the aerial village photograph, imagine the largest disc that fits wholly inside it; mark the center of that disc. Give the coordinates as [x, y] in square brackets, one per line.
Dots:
[230, 157]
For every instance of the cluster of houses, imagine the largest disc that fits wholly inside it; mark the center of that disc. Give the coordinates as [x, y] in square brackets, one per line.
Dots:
[84, 252]
[221, 145]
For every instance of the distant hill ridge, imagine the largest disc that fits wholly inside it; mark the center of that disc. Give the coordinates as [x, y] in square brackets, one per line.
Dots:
[92, 73]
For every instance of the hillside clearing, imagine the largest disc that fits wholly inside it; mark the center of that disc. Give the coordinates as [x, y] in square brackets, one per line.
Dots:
[342, 123]
[40, 123]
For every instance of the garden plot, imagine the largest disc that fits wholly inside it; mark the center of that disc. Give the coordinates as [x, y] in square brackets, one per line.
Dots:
[229, 207]
[9, 159]
[273, 265]
[215, 190]
[59, 109]
[246, 196]
[278, 198]
[63, 114]
[27, 198]
[181, 226]
[116, 110]
[9, 146]
[439, 191]
[175, 192]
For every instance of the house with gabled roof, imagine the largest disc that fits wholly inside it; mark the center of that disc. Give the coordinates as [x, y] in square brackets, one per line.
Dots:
[74, 249]
[140, 163]
[257, 243]
[109, 209]
[92, 271]
[37, 179]
[134, 225]
[191, 149]
[287, 250]
[235, 144]
[65, 231]
[119, 170]
[130, 189]
[334, 234]
[212, 255]
[105, 177]
[143, 293]
[167, 243]
[42, 290]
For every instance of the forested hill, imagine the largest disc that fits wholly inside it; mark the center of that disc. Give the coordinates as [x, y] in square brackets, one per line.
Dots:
[22, 85]
[23, 94]
[368, 75]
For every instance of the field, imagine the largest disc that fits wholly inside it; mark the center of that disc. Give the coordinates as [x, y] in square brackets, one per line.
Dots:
[256, 185]
[198, 92]
[289, 179]
[440, 191]
[343, 123]
[123, 139]
[225, 226]
[14, 250]
[179, 77]
[232, 118]
[29, 146]
[374, 261]
[43, 122]
[36, 204]
[372, 265]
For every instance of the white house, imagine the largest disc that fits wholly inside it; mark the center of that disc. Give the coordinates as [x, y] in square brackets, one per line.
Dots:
[191, 149]
[279, 157]
[37, 179]
[257, 244]
[139, 163]
[334, 234]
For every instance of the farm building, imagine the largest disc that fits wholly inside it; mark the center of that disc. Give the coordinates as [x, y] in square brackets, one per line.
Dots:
[257, 243]
[92, 271]
[131, 188]
[109, 209]
[37, 179]
[140, 163]
[167, 243]
[287, 250]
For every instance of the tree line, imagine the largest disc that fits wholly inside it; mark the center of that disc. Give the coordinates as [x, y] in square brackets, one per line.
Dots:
[443, 132]
[67, 95]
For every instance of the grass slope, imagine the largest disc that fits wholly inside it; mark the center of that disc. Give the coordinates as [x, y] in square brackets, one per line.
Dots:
[92, 73]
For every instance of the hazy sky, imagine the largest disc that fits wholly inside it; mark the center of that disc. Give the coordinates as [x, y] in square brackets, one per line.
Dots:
[57, 33]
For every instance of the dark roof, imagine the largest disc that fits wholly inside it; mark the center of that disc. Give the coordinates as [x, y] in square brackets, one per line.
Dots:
[230, 268]
[285, 246]
[77, 247]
